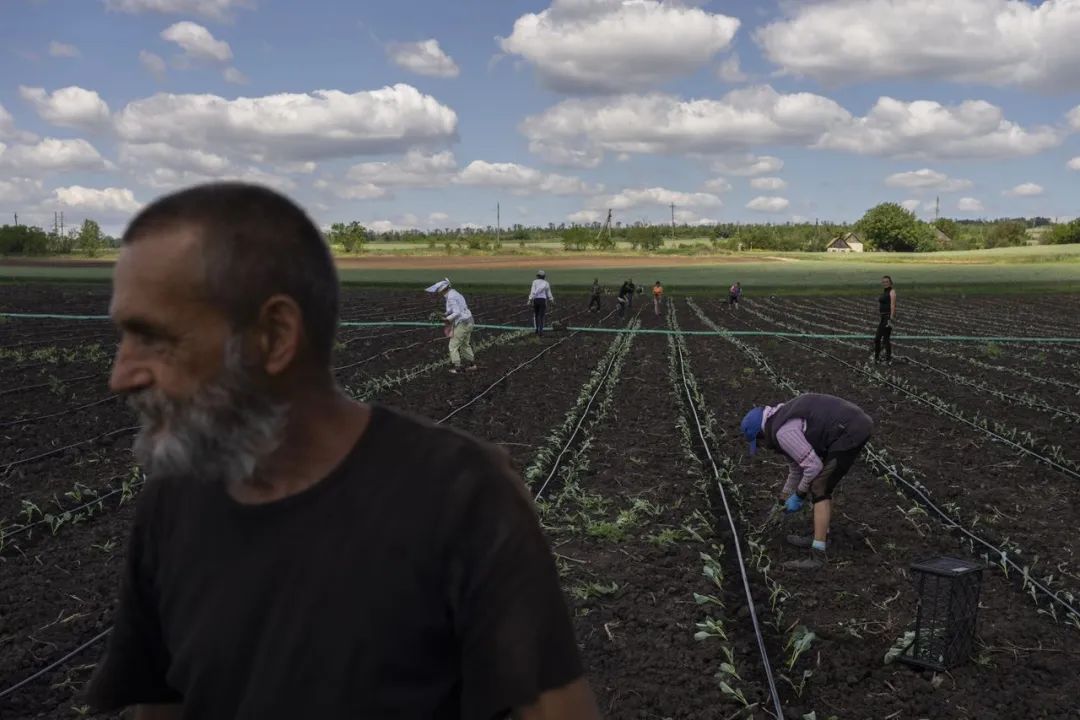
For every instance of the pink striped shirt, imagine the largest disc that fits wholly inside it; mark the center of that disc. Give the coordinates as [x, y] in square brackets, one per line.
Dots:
[804, 464]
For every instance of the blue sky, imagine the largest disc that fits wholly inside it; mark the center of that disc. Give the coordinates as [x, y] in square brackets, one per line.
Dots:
[428, 113]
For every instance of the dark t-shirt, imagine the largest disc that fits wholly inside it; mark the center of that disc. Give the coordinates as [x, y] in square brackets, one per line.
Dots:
[412, 582]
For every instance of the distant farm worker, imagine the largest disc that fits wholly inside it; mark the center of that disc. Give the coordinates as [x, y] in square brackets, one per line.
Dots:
[886, 317]
[821, 436]
[459, 326]
[630, 293]
[626, 292]
[295, 553]
[540, 297]
[734, 295]
[594, 295]
[657, 297]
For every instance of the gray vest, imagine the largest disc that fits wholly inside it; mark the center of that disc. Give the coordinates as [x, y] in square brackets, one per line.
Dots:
[832, 423]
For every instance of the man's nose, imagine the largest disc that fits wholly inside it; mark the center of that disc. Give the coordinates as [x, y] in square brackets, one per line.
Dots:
[129, 373]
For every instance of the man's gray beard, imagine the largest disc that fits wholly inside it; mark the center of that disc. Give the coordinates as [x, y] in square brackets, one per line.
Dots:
[224, 433]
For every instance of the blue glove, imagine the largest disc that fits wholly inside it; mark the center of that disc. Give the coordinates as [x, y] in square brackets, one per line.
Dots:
[793, 504]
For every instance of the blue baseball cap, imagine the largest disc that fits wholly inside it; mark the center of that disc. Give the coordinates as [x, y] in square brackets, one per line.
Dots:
[751, 426]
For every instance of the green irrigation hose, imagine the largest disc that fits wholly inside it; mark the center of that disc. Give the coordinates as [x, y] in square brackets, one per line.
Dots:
[714, 333]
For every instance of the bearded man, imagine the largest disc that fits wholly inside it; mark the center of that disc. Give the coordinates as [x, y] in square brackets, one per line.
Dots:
[296, 554]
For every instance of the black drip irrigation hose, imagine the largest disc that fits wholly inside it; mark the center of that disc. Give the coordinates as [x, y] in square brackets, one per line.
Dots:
[531, 360]
[37, 418]
[56, 451]
[56, 663]
[6, 533]
[584, 415]
[773, 692]
[62, 381]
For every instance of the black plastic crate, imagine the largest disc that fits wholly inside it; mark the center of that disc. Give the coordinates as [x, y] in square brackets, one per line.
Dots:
[948, 607]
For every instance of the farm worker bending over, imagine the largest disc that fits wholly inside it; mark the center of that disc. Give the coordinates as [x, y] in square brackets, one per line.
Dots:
[657, 297]
[886, 318]
[459, 324]
[295, 553]
[821, 436]
[734, 293]
[594, 296]
[539, 297]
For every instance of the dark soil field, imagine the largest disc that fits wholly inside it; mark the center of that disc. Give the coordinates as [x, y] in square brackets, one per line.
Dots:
[630, 443]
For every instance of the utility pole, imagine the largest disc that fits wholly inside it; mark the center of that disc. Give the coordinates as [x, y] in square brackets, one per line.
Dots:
[498, 224]
[937, 208]
[61, 222]
[16, 219]
[672, 222]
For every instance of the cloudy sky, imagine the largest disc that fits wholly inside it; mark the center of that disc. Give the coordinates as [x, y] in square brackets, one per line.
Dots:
[425, 113]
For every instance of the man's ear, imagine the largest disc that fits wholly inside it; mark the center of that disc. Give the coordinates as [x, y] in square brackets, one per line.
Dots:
[281, 333]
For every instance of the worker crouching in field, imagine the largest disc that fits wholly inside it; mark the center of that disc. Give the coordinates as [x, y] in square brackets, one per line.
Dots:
[594, 295]
[459, 326]
[821, 436]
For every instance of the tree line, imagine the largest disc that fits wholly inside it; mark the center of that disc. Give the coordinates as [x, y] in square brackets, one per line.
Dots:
[886, 227]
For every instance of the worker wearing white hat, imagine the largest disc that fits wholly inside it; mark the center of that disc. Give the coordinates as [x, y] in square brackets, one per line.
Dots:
[539, 297]
[459, 324]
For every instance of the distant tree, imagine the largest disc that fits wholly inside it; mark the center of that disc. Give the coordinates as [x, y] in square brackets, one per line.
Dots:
[1007, 233]
[891, 228]
[350, 237]
[23, 240]
[90, 239]
[646, 237]
[1064, 233]
[577, 238]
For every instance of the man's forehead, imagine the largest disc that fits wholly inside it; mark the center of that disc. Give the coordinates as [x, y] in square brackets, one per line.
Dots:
[161, 268]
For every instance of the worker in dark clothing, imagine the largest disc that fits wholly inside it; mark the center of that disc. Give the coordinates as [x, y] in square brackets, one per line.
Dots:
[626, 294]
[886, 318]
[296, 553]
[821, 436]
[594, 295]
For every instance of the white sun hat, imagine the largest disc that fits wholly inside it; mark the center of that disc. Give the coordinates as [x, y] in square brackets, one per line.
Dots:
[439, 286]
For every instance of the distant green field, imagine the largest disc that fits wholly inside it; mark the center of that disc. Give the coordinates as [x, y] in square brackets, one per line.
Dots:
[1024, 269]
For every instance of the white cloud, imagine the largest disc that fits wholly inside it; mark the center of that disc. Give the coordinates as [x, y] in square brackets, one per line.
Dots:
[153, 64]
[423, 58]
[291, 126]
[1027, 189]
[995, 42]
[581, 131]
[969, 204]
[165, 167]
[612, 46]
[585, 217]
[416, 169]
[51, 155]
[19, 189]
[152, 155]
[768, 183]
[748, 165]
[8, 131]
[634, 197]
[219, 10]
[234, 76]
[924, 128]
[355, 191]
[718, 185]
[68, 107]
[689, 217]
[1074, 164]
[436, 219]
[768, 204]
[63, 50]
[927, 179]
[520, 179]
[664, 124]
[106, 201]
[911, 205]
[1074, 118]
[730, 71]
[197, 42]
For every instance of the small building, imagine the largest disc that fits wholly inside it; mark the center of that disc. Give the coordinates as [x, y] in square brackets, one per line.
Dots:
[848, 242]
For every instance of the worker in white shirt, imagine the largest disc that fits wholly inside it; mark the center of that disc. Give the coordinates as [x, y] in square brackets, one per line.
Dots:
[459, 325]
[539, 297]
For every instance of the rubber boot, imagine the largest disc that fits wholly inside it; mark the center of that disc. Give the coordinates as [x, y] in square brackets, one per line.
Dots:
[805, 541]
[816, 560]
